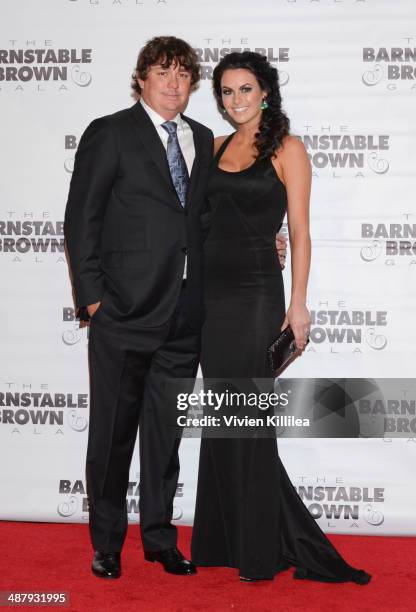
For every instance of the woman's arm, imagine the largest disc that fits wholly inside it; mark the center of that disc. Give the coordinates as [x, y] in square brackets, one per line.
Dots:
[293, 163]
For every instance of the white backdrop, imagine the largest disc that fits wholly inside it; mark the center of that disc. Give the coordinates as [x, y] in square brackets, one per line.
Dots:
[348, 72]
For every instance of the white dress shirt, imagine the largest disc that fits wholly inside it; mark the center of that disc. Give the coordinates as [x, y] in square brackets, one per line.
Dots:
[185, 138]
[184, 131]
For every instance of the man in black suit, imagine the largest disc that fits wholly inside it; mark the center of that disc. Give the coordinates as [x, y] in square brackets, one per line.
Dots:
[134, 239]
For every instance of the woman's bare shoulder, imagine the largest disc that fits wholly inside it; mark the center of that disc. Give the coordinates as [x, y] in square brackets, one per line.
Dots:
[292, 146]
[218, 140]
[291, 159]
[291, 151]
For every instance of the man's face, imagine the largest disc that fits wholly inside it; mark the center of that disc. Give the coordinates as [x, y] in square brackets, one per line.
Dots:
[166, 90]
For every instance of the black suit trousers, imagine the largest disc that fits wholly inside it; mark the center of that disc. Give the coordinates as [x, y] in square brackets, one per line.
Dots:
[129, 373]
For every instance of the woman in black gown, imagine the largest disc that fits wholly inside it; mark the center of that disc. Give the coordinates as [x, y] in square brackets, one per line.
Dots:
[248, 514]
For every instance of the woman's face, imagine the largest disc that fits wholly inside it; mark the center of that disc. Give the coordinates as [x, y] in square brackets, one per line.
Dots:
[241, 95]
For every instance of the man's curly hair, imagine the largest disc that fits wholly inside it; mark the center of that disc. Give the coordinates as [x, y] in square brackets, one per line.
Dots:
[166, 50]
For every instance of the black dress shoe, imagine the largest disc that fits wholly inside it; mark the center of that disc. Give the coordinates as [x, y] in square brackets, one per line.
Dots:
[172, 560]
[106, 565]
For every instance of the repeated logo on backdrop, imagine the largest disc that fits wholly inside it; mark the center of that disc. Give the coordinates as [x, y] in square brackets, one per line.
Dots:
[74, 501]
[336, 503]
[337, 327]
[152, 3]
[72, 334]
[395, 410]
[32, 234]
[336, 152]
[119, 3]
[213, 50]
[389, 244]
[391, 67]
[41, 66]
[71, 144]
[34, 410]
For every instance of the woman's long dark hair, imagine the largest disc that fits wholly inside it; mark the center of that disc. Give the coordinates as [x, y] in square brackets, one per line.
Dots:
[274, 124]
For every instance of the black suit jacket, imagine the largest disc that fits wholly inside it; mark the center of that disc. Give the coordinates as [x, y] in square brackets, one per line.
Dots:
[126, 232]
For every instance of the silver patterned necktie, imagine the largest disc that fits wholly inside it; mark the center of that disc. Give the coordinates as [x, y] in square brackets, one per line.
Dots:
[176, 161]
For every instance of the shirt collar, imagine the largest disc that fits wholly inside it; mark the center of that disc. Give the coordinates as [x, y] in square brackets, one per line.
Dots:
[157, 120]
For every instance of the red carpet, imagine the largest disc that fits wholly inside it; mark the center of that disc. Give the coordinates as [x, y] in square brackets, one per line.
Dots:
[55, 557]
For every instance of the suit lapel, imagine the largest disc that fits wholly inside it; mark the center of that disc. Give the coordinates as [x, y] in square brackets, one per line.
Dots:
[198, 143]
[151, 140]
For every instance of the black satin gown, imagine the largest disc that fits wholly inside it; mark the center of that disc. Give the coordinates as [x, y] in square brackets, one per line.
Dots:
[248, 515]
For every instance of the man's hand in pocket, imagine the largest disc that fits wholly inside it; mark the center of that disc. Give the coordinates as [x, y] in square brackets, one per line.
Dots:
[92, 308]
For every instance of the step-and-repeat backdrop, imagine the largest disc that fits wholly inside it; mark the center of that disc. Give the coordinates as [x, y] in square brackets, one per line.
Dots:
[348, 77]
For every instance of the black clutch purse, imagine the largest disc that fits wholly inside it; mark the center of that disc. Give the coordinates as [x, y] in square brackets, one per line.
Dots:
[282, 351]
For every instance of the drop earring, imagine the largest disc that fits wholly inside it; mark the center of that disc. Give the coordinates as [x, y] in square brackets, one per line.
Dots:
[224, 111]
[264, 104]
